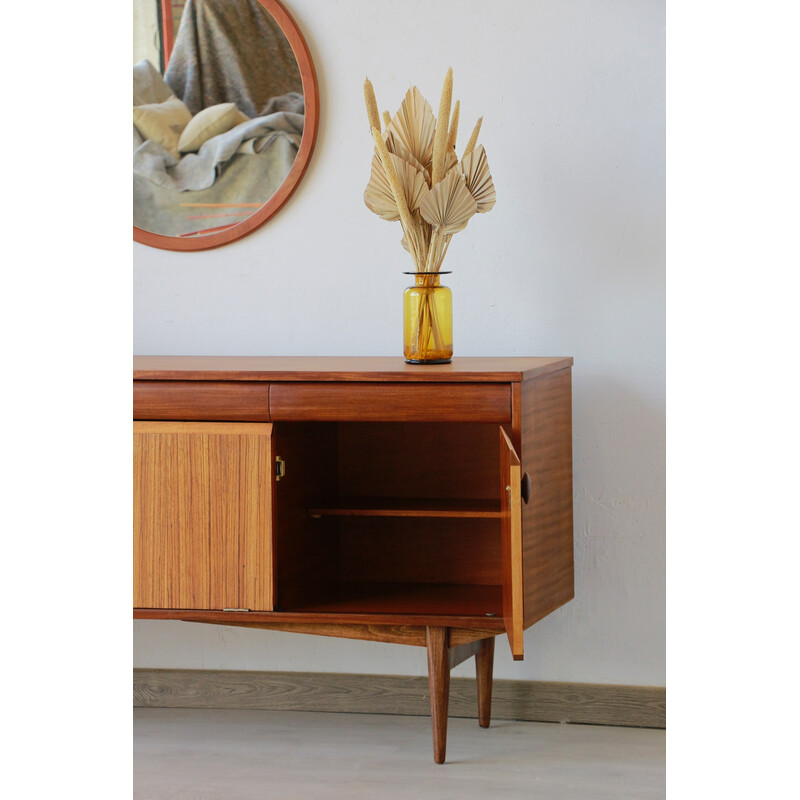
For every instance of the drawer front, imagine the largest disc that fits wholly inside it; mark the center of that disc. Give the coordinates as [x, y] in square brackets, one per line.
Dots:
[201, 400]
[391, 402]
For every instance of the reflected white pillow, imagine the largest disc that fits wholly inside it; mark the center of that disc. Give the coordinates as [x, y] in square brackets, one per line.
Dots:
[163, 122]
[208, 123]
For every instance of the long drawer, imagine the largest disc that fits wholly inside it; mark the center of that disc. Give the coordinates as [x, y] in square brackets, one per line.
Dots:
[391, 402]
[243, 401]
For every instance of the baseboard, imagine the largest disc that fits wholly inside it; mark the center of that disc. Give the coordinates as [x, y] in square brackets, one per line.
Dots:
[535, 701]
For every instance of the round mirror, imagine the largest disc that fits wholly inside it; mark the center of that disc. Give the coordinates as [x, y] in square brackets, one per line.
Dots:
[225, 117]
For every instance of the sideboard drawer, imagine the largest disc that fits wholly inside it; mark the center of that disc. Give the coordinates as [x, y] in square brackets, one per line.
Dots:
[391, 402]
[243, 401]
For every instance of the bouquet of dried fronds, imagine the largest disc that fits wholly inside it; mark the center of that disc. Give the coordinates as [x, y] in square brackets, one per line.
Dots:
[417, 177]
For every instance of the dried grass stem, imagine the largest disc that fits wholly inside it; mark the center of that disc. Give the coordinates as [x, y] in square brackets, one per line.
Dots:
[372, 105]
[453, 134]
[473, 140]
[442, 129]
[410, 227]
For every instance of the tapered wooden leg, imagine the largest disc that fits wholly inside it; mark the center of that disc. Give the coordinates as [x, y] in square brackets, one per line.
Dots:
[439, 685]
[484, 663]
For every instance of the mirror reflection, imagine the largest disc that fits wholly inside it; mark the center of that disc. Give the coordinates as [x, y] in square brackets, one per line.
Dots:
[218, 114]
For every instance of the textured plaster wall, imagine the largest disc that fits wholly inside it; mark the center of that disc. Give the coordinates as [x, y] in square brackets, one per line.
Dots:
[570, 262]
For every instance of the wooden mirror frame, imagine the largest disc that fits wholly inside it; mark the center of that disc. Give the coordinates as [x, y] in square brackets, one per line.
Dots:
[310, 127]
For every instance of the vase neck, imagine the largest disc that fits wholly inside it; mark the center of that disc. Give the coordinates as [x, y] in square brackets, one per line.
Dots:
[427, 279]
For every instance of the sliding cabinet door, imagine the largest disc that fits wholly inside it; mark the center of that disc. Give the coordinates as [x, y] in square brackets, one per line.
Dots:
[202, 515]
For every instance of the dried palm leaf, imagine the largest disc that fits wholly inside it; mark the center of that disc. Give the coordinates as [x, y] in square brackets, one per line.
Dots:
[416, 177]
[394, 146]
[450, 161]
[448, 206]
[378, 194]
[415, 184]
[413, 127]
[475, 168]
[410, 223]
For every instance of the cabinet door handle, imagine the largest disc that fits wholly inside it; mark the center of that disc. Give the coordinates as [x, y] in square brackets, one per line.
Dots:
[525, 488]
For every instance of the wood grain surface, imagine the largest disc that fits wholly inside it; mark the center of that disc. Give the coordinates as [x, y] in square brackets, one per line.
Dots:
[382, 528]
[201, 400]
[439, 688]
[441, 507]
[419, 460]
[489, 624]
[390, 549]
[413, 635]
[547, 524]
[425, 466]
[306, 549]
[511, 525]
[535, 701]
[202, 515]
[407, 599]
[390, 402]
[341, 368]
[484, 668]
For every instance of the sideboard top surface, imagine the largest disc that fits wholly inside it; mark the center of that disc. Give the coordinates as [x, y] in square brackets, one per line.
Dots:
[336, 368]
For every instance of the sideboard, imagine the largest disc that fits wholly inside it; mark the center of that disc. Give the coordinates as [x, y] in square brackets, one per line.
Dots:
[363, 498]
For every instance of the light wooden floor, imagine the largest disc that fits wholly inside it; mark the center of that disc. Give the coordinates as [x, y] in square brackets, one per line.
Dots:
[291, 755]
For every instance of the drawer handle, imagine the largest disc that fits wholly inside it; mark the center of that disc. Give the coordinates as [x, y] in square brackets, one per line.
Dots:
[526, 487]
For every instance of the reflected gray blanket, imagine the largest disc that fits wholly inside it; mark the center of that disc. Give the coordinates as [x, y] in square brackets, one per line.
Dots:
[246, 180]
[231, 51]
[199, 170]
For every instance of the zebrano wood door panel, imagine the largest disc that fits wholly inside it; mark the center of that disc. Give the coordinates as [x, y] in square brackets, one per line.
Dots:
[203, 515]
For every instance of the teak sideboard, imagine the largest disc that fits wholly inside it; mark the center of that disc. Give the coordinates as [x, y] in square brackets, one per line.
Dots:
[357, 497]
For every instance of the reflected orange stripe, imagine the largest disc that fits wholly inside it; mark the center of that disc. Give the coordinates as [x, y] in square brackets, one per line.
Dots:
[221, 205]
[213, 216]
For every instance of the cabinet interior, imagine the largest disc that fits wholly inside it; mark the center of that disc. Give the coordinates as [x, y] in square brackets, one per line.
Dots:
[392, 517]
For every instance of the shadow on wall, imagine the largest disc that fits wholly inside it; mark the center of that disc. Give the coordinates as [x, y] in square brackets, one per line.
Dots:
[620, 510]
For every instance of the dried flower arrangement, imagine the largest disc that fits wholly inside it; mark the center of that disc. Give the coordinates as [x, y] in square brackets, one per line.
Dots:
[417, 179]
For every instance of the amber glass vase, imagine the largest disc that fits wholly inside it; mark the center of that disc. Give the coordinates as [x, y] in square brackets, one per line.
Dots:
[427, 320]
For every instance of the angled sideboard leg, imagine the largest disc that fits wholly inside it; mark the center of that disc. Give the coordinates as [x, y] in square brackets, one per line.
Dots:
[484, 663]
[439, 685]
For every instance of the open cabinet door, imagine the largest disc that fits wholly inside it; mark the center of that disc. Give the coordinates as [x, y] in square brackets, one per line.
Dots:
[511, 523]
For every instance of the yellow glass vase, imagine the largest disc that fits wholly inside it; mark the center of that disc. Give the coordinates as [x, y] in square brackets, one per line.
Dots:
[427, 320]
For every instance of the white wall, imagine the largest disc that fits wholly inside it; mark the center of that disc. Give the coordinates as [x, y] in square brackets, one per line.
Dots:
[569, 262]
[146, 40]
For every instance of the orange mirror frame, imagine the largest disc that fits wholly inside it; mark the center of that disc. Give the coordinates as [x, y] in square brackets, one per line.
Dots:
[295, 175]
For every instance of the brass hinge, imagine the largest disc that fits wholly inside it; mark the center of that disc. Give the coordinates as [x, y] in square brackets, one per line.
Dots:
[280, 468]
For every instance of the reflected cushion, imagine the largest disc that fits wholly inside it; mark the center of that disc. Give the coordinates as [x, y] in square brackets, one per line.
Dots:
[163, 122]
[210, 122]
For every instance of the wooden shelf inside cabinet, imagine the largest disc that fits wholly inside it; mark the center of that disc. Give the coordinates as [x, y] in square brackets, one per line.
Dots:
[403, 507]
[365, 597]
